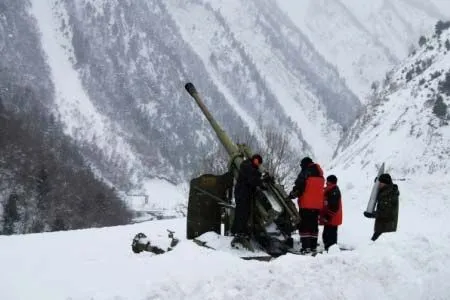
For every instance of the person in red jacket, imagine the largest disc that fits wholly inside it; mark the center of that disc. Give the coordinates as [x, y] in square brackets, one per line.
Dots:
[309, 190]
[331, 215]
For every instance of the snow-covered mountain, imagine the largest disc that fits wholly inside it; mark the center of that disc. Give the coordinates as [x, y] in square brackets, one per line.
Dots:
[256, 38]
[364, 39]
[407, 123]
[113, 72]
[118, 69]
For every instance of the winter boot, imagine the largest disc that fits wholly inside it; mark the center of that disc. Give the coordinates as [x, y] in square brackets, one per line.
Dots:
[290, 242]
[305, 243]
[305, 251]
[241, 241]
[313, 244]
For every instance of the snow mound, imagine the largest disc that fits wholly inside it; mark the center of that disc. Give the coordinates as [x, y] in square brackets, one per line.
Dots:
[99, 264]
[222, 243]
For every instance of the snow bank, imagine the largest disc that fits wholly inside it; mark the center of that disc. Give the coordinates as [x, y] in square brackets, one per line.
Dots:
[413, 263]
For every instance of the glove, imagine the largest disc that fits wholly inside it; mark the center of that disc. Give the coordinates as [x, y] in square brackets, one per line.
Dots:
[324, 219]
[265, 177]
[370, 215]
[292, 195]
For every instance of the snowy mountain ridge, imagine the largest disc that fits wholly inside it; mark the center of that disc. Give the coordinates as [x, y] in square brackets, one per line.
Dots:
[291, 71]
[117, 71]
[407, 123]
[105, 75]
[364, 39]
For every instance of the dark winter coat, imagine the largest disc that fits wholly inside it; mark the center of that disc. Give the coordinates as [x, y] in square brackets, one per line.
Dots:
[387, 209]
[248, 179]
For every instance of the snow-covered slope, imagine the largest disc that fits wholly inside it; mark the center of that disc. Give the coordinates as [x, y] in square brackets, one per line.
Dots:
[407, 123]
[119, 70]
[83, 120]
[254, 37]
[364, 39]
[98, 264]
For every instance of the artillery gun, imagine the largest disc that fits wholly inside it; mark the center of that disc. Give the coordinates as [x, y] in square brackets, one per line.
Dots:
[210, 208]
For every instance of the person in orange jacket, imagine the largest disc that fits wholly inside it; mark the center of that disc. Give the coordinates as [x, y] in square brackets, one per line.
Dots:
[309, 190]
[331, 215]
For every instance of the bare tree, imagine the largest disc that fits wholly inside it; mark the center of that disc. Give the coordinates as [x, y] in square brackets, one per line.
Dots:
[279, 157]
[10, 214]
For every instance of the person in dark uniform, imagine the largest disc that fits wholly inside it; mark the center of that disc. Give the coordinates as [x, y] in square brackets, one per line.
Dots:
[248, 180]
[386, 210]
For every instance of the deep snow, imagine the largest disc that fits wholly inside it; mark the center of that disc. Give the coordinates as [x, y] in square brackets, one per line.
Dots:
[98, 263]
[412, 263]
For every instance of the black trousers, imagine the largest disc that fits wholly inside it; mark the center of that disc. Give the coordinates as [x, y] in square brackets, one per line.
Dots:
[376, 235]
[329, 236]
[241, 215]
[309, 228]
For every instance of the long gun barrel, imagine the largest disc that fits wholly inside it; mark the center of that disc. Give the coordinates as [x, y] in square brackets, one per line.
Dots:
[271, 206]
[231, 148]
